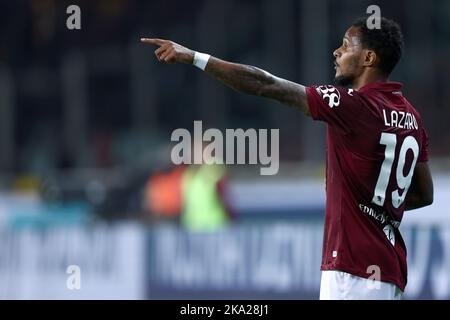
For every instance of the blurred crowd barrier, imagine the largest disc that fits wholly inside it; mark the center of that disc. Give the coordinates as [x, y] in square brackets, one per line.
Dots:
[40, 263]
[271, 251]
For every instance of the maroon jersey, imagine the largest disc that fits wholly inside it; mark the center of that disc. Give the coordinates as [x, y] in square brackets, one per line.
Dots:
[374, 140]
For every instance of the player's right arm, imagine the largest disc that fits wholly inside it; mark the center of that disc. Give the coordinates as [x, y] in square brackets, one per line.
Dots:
[420, 193]
[243, 78]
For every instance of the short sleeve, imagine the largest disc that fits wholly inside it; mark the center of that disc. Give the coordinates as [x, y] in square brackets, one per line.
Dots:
[424, 151]
[337, 106]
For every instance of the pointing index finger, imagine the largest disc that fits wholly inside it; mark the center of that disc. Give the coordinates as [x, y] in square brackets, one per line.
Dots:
[158, 42]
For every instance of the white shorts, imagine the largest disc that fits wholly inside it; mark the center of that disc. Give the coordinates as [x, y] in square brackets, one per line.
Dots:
[338, 285]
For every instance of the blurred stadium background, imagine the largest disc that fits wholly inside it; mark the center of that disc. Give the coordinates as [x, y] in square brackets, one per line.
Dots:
[85, 123]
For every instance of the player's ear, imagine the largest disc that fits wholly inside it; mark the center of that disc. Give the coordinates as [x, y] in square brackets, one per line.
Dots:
[370, 58]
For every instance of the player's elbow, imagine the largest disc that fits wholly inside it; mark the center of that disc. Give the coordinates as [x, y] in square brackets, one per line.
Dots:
[428, 200]
[428, 196]
[419, 200]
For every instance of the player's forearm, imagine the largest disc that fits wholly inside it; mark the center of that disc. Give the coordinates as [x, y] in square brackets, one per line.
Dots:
[243, 78]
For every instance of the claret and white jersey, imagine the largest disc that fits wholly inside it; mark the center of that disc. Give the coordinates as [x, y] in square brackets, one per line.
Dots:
[374, 140]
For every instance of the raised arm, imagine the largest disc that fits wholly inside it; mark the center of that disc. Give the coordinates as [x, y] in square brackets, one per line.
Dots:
[243, 78]
[420, 194]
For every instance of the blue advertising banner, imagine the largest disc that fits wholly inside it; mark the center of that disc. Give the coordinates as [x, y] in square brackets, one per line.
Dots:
[275, 260]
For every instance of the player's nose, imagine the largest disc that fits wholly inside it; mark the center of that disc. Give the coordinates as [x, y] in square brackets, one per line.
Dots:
[336, 53]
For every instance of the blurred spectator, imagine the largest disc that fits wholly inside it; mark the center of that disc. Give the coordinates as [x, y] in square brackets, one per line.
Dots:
[195, 195]
[163, 193]
[205, 207]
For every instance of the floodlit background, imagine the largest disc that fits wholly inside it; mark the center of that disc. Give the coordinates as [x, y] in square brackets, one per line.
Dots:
[90, 203]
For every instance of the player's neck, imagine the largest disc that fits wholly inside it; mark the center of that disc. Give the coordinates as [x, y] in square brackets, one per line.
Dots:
[368, 77]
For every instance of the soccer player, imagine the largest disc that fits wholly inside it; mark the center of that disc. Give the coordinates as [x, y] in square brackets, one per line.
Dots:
[377, 153]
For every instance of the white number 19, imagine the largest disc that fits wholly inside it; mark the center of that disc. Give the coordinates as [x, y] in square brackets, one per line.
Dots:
[403, 182]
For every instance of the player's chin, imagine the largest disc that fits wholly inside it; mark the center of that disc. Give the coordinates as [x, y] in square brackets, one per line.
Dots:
[342, 80]
[338, 74]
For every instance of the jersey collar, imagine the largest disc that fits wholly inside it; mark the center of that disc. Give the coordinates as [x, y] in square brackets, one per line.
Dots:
[383, 86]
